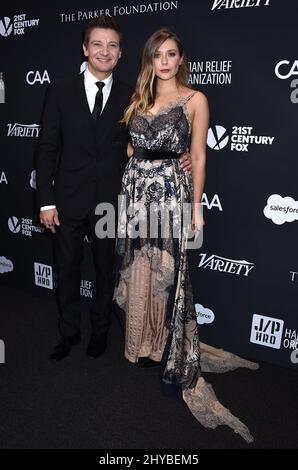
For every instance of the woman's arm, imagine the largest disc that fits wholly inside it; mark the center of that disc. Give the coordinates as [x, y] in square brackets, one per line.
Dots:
[200, 125]
[129, 150]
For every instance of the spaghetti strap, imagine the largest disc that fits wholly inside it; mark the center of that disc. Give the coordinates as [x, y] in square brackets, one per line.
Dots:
[187, 98]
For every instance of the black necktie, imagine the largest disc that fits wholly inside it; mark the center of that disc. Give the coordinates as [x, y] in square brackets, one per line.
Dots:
[98, 101]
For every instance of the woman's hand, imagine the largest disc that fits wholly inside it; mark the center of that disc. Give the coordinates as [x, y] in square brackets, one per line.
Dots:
[197, 220]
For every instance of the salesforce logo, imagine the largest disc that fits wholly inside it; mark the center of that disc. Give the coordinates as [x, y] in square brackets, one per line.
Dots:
[281, 209]
[204, 315]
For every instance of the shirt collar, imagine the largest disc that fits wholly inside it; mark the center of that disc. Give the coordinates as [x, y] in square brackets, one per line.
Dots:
[90, 80]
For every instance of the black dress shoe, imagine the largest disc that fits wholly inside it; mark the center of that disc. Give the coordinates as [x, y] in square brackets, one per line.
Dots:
[97, 345]
[63, 349]
[148, 363]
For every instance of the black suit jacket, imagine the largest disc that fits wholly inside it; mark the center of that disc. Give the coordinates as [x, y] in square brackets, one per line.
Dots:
[86, 160]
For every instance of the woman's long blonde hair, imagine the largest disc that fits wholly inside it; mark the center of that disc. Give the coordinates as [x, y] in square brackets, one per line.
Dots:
[145, 92]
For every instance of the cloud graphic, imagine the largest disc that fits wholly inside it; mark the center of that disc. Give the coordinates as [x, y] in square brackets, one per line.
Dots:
[6, 265]
[83, 67]
[204, 315]
[281, 209]
[33, 179]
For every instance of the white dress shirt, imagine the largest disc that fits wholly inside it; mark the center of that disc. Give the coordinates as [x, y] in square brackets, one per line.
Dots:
[91, 90]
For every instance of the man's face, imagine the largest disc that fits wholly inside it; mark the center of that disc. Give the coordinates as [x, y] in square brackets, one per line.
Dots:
[103, 51]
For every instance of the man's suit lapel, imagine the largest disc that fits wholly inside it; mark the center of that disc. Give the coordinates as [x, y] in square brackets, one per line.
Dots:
[110, 112]
[83, 103]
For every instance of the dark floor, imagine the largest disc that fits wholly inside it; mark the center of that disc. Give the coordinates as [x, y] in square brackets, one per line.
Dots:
[108, 403]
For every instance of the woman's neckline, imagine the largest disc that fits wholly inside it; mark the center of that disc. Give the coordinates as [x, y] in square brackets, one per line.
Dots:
[163, 109]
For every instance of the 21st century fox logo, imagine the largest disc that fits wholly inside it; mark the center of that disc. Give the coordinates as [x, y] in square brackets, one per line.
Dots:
[16, 26]
[240, 139]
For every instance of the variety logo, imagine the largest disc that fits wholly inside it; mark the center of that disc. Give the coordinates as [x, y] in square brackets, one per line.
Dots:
[86, 289]
[204, 315]
[228, 4]
[284, 69]
[210, 72]
[33, 77]
[2, 89]
[281, 209]
[266, 331]
[241, 138]
[6, 266]
[17, 26]
[226, 265]
[43, 275]
[23, 130]
[138, 9]
[3, 178]
[25, 226]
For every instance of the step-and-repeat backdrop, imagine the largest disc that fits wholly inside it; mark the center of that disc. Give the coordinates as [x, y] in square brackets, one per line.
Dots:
[243, 55]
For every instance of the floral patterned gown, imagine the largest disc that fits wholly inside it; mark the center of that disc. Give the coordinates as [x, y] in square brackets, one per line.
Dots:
[153, 286]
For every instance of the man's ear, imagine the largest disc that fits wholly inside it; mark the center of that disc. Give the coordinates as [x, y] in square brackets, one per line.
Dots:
[85, 50]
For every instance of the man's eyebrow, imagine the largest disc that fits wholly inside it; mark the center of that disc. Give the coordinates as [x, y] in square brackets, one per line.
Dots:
[110, 43]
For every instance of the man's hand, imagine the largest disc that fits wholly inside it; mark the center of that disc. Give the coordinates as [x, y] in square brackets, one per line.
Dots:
[49, 218]
[185, 161]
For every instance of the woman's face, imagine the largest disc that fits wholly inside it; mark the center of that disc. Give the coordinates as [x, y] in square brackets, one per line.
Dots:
[166, 60]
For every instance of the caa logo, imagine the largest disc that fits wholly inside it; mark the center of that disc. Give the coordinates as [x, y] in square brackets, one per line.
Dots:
[284, 70]
[33, 77]
[215, 202]
[3, 178]
[266, 331]
[5, 26]
[43, 275]
[14, 224]
[204, 315]
[287, 70]
[217, 138]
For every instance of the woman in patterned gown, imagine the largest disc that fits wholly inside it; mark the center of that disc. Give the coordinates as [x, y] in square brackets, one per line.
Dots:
[165, 117]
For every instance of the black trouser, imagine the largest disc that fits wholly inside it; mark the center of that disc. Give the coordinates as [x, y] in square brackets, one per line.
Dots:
[69, 249]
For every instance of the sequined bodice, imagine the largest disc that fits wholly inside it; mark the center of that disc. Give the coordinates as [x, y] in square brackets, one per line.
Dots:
[168, 130]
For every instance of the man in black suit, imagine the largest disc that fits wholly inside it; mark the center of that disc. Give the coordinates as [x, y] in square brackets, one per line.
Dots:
[83, 148]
